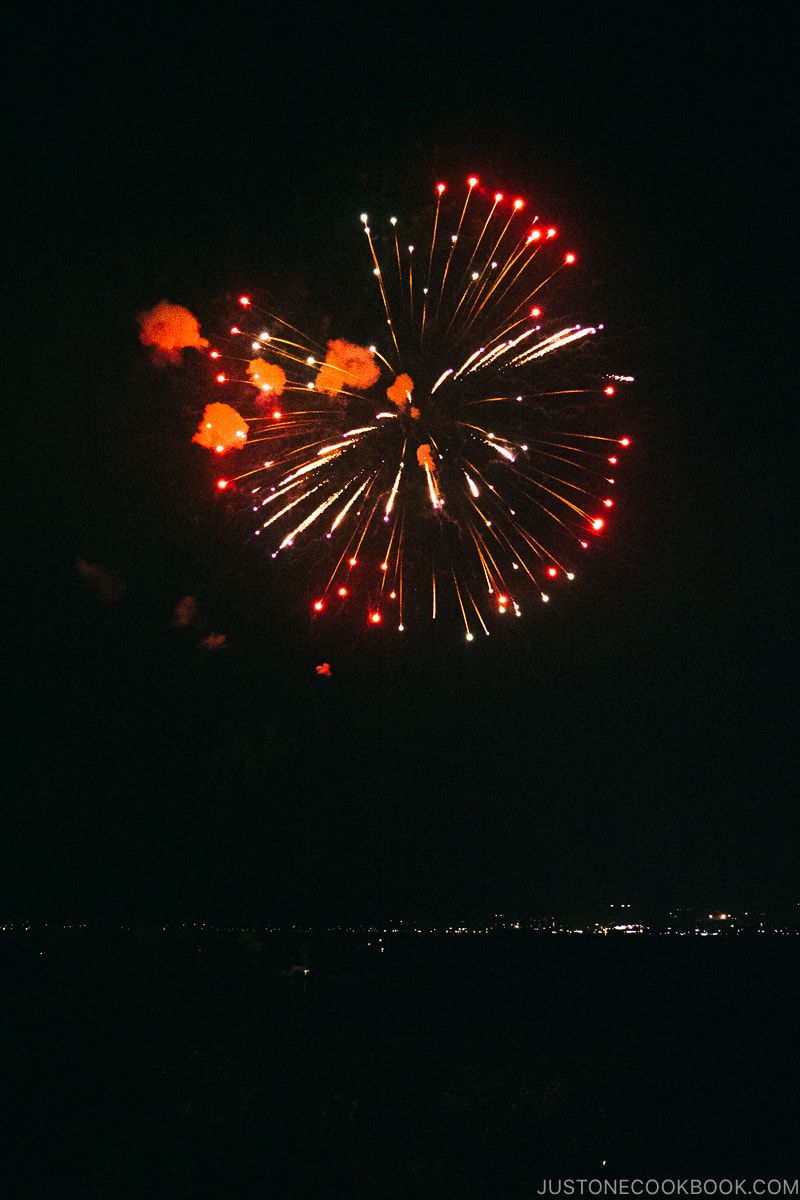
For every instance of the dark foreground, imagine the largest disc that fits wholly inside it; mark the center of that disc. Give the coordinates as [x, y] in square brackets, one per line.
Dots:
[181, 1064]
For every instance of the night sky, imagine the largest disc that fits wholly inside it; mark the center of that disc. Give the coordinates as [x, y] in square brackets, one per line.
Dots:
[636, 741]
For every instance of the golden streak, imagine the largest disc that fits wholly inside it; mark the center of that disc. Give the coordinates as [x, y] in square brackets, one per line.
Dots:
[318, 511]
[393, 493]
[341, 516]
[289, 507]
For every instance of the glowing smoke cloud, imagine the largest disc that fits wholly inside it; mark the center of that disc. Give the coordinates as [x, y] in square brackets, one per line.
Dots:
[269, 377]
[346, 366]
[400, 391]
[170, 328]
[221, 429]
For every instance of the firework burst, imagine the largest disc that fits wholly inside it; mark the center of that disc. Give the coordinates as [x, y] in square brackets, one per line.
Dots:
[463, 461]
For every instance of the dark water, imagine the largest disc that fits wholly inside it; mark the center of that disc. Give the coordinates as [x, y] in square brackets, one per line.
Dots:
[182, 1063]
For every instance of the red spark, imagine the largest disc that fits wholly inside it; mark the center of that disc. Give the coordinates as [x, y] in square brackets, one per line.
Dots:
[375, 617]
[244, 301]
[318, 605]
[570, 258]
[222, 484]
[552, 572]
[609, 391]
[597, 524]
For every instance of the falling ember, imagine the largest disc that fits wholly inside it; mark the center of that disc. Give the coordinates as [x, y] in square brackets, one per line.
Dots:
[458, 458]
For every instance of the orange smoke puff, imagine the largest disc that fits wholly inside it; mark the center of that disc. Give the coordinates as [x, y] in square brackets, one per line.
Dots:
[346, 366]
[170, 328]
[324, 669]
[400, 391]
[424, 456]
[214, 641]
[185, 612]
[267, 376]
[414, 413]
[221, 428]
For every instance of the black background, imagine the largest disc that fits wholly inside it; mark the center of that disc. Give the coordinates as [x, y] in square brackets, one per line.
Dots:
[635, 743]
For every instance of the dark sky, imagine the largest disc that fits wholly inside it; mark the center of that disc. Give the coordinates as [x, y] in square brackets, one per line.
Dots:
[635, 742]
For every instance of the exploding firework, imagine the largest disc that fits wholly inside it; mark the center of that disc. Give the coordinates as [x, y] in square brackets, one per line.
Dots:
[464, 461]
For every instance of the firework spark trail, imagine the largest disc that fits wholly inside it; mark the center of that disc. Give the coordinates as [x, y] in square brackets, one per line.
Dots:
[428, 498]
